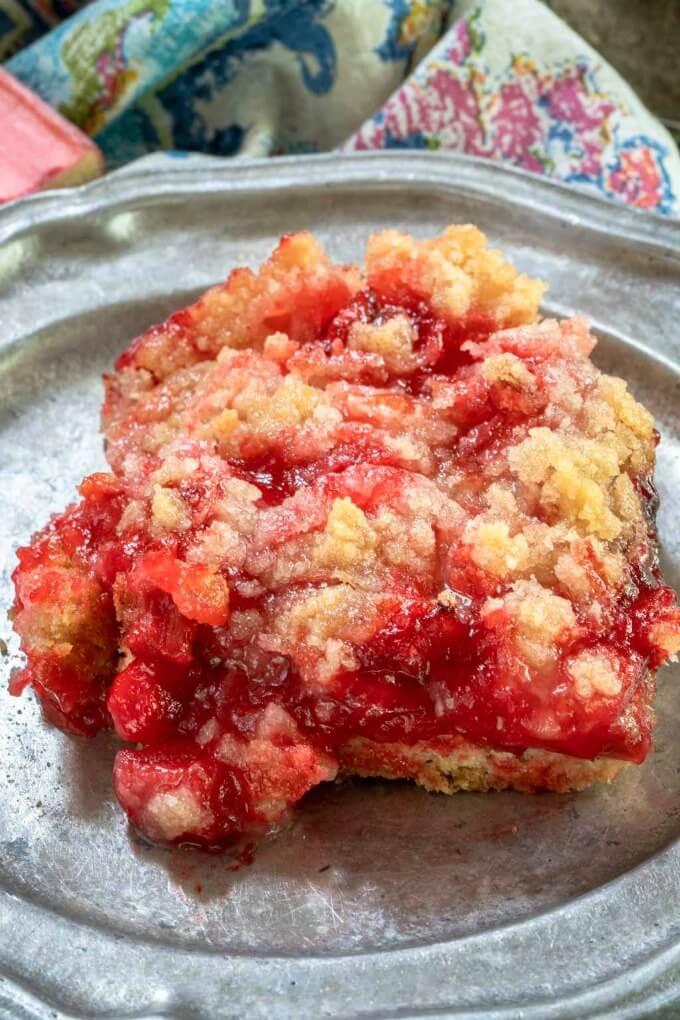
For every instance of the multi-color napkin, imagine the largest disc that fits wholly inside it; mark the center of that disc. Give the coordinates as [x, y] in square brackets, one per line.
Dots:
[508, 81]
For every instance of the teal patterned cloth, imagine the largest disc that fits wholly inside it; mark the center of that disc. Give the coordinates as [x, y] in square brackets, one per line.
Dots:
[507, 81]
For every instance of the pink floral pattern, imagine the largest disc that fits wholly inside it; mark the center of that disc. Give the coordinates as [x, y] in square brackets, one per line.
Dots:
[636, 177]
[549, 118]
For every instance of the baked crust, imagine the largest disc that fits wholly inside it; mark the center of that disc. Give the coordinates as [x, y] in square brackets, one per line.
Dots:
[449, 765]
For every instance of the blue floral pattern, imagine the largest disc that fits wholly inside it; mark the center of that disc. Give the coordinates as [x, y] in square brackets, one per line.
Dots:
[142, 75]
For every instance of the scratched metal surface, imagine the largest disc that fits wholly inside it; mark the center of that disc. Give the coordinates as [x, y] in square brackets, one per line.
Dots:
[379, 900]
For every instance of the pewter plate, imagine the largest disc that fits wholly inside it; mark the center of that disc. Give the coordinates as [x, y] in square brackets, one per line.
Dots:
[379, 900]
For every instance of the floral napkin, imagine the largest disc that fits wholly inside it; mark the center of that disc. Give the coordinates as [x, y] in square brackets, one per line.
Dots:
[504, 80]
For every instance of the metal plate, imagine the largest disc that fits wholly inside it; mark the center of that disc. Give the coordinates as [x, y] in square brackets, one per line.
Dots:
[379, 900]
